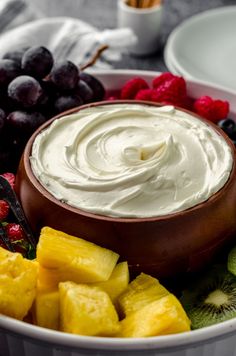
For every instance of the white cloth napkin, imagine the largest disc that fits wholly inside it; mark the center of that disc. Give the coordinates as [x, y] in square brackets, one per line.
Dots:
[21, 25]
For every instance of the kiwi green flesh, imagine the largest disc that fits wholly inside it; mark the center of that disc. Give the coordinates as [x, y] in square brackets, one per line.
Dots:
[231, 264]
[212, 299]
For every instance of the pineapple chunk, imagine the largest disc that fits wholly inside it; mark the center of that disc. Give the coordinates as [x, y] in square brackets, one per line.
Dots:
[48, 279]
[118, 281]
[160, 317]
[18, 278]
[46, 310]
[143, 290]
[72, 258]
[87, 310]
[182, 324]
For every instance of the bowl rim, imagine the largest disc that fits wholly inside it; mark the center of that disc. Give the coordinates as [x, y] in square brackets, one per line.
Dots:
[161, 342]
[39, 187]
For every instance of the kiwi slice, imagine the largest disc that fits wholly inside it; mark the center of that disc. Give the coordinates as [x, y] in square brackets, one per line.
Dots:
[231, 264]
[211, 299]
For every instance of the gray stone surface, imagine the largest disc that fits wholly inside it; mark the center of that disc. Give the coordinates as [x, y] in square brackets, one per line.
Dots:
[102, 14]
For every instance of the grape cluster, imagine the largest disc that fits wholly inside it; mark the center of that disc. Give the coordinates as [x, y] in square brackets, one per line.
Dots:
[34, 88]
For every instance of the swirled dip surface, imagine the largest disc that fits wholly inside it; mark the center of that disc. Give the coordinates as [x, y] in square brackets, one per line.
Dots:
[129, 160]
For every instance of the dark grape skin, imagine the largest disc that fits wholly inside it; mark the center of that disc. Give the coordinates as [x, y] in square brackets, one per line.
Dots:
[6, 103]
[49, 88]
[9, 70]
[63, 103]
[45, 104]
[95, 85]
[10, 153]
[2, 119]
[37, 119]
[18, 128]
[65, 75]
[15, 55]
[84, 91]
[37, 62]
[25, 90]
[50, 91]
[1, 124]
[229, 127]
[5, 161]
[22, 123]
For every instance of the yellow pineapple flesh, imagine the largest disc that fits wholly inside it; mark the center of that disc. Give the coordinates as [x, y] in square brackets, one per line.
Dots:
[87, 310]
[18, 279]
[48, 279]
[117, 282]
[46, 309]
[182, 323]
[143, 290]
[160, 317]
[71, 258]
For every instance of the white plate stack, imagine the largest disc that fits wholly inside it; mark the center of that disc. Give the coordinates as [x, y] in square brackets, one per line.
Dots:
[204, 47]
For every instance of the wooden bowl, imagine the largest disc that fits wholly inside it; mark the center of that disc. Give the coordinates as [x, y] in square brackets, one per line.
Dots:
[163, 246]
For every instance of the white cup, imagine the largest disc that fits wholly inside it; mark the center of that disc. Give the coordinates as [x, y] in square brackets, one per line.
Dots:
[145, 23]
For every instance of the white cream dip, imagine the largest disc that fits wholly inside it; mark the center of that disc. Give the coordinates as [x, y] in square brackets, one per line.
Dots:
[129, 160]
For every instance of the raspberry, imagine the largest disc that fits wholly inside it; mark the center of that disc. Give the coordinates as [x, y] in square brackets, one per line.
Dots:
[4, 210]
[153, 95]
[213, 110]
[221, 109]
[14, 232]
[162, 78]
[16, 235]
[131, 88]
[10, 177]
[144, 94]
[172, 92]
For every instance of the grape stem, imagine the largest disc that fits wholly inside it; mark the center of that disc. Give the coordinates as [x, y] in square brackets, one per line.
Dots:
[94, 58]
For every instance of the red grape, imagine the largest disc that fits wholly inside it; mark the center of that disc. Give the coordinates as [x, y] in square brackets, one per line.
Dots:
[64, 103]
[2, 119]
[95, 85]
[24, 123]
[8, 71]
[37, 61]
[65, 75]
[84, 91]
[32, 90]
[25, 90]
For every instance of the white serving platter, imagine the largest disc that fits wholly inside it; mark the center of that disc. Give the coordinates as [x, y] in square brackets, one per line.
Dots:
[18, 338]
